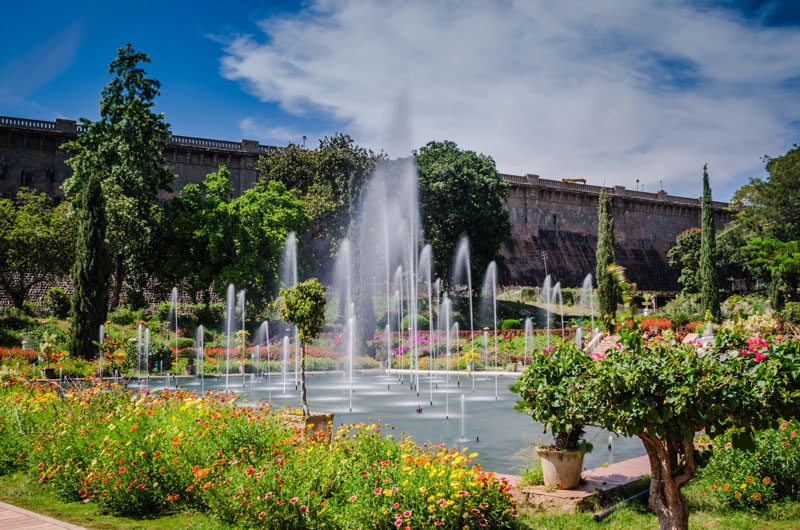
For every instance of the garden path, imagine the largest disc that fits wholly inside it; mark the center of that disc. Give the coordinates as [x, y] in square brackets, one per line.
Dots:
[15, 518]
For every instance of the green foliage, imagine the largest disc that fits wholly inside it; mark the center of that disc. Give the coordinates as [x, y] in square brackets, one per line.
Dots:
[329, 181]
[768, 472]
[608, 293]
[461, 192]
[529, 294]
[709, 279]
[782, 261]
[36, 243]
[57, 302]
[422, 322]
[304, 306]
[125, 317]
[90, 273]
[685, 256]
[124, 149]
[791, 313]
[511, 323]
[212, 239]
[664, 395]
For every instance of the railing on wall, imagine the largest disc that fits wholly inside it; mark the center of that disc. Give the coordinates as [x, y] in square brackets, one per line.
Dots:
[205, 142]
[26, 123]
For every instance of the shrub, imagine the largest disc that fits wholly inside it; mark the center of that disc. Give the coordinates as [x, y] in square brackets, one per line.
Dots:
[422, 322]
[771, 469]
[510, 323]
[57, 302]
[791, 313]
[209, 315]
[29, 308]
[529, 294]
[125, 317]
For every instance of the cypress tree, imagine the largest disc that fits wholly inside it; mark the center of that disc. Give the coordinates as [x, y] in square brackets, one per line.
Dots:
[608, 294]
[91, 271]
[709, 282]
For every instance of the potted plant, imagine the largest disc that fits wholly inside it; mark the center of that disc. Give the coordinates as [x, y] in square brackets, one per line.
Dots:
[304, 306]
[48, 349]
[562, 462]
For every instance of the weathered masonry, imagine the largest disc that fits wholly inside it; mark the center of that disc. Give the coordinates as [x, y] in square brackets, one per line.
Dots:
[554, 223]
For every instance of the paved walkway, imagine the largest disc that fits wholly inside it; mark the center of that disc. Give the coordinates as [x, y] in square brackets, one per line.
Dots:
[15, 518]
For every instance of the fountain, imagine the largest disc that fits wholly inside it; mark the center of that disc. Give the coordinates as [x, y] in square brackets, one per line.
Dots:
[240, 307]
[461, 265]
[147, 352]
[463, 438]
[229, 322]
[557, 293]
[139, 349]
[528, 337]
[172, 318]
[587, 296]
[351, 348]
[198, 343]
[285, 360]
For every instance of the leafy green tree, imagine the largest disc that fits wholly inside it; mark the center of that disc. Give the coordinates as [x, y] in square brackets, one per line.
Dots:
[304, 306]
[685, 256]
[461, 192]
[709, 279]
[329, 180]
[125, 147]
[37, 243]
[782, 261]
[608, 292]
[211, 239]
[91, 271]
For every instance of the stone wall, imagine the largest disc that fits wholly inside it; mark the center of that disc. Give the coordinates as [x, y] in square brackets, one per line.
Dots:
[555, 217]
[560, 219]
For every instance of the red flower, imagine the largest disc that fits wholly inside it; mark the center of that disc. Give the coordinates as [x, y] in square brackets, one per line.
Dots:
[304, 509]
[407, 514]
[261, 516]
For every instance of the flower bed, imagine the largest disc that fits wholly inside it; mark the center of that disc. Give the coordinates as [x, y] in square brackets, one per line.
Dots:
[147, 454]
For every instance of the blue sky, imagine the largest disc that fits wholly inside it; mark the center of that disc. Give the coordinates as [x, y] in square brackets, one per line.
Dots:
[610, 91]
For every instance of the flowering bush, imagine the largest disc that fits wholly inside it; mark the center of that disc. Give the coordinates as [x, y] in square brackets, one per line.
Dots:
[145, 454]
[758, 324]
[752, 479]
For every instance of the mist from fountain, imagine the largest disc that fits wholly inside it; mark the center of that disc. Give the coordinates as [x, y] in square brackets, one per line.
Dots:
[147, 352]
[172, 318]
[200, 353]
[230, 319]
[528, 337]
[557, 293]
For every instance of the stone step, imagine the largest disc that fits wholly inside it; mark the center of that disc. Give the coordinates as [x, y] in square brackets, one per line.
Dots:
[598, 484]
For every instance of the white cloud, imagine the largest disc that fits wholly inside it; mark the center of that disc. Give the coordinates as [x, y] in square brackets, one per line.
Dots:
[614, 90]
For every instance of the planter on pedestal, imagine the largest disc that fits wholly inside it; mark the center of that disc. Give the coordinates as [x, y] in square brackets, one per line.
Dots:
[561, 469]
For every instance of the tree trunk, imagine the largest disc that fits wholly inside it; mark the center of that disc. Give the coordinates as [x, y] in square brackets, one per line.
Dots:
[119, 274]
[303, 399]
[672, 465]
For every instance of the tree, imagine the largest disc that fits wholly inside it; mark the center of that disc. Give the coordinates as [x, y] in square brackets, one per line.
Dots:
[664, 394]
[608, 293]
[461, 193]
[329, 180]
[304, 306]
[685, 256]
[36, 243]
[709, 280]
[125, 147]
[782, 261]
[91, 271]
[210, 239]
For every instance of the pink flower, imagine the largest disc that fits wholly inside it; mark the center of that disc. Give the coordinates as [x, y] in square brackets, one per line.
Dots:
[784, 426]
[728, 445]
[744, 353]
[484, 522]
[440, 502]
[261, 515]
[353, 498]
[398, 522]
[760, 357]
[407, 514]
[377, 491]
[304, 509]
[549, 350]
[293, 500]
[395, 506]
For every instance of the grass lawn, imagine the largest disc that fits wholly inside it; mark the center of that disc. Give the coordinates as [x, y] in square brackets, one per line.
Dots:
[705, 513]
[24, 492]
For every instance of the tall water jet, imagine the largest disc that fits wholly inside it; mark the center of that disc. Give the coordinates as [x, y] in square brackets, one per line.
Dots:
[265, 328]
[240, 308]
[351, 347]
[489, 289]
[147, 352]
[557, 293]
[139, 349]
[398, 280]
[546, 298]
[463, 438]
[230, 314]
[437, 291]
[102, 338]
[445, 315]
[285, 360]
[462, 266]
[172, 318]
[288, 279]
[200, 353]
[388, 335]
[528, 337]
[587, 296]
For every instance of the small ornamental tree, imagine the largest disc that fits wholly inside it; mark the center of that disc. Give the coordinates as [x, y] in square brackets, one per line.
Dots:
[665, 394]
[304, 306]
[709, 281]
[685, 256]
[607, 288]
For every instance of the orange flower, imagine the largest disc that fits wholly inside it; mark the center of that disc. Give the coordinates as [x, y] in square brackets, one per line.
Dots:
[749, 479]
[756, 496]
[766, 480]
[737, 495]
[726, 487]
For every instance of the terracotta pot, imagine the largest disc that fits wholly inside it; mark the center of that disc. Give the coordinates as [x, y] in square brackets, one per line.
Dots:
[319, 425]
[561, 469]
